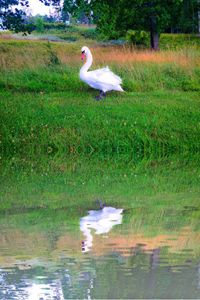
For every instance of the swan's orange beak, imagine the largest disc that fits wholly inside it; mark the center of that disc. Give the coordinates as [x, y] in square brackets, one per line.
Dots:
[82, 56]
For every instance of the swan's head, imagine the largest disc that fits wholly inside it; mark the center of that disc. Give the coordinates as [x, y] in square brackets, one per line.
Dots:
[85, 51]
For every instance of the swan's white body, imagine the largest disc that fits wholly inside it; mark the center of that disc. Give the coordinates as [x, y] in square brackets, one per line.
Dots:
[101, 221]
[102, 79]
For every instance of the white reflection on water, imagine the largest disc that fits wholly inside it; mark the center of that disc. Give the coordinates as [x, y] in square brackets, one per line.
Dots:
[45, 291]
[27, 289]
[101, 221]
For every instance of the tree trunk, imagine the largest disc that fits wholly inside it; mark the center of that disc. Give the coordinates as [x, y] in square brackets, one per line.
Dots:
[154, 33]
[154, 40]
[198, 16]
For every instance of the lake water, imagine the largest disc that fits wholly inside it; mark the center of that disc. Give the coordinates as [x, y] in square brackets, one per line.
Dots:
[110, 229]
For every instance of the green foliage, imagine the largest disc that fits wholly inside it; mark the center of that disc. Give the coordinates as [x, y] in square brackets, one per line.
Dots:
[56, 26]
[109, 25]
[89, 33]
[60, 31]
[137, 14]
[137, 37]
[39, 24]
[179, 41]
[53, 58]
[187, 17]
[12, 18]
[116, 17]
[78, 9]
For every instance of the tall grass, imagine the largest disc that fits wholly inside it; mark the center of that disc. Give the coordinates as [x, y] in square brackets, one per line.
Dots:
[17, 54]
[23, 63]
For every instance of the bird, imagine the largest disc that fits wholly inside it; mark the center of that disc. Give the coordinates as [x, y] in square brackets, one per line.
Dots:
[102, 79]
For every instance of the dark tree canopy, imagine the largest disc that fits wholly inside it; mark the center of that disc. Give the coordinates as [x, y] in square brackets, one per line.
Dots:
[114, 18]
[77, 8]
[51, 2]
[12, 18]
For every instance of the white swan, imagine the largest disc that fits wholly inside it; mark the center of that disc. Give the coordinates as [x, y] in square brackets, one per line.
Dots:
[101, 79]
[101, 221]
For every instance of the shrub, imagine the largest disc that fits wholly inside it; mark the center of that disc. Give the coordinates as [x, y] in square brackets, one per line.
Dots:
[39, 24]
[54, 26]
[177, 41]
[89, 33]
[53, 58]
[138, 37]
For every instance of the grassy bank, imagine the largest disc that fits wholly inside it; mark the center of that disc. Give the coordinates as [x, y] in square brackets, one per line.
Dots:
[137, 123]
[45, 108]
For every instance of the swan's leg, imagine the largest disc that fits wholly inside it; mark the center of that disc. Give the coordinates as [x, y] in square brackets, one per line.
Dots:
[100, 97]
[100, 203]
[104, 94]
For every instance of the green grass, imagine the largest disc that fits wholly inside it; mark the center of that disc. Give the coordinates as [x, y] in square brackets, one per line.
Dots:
[137, 78]
[45, 108]
[64, 117]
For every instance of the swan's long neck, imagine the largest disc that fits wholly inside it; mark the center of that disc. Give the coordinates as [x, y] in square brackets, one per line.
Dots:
[88, 63]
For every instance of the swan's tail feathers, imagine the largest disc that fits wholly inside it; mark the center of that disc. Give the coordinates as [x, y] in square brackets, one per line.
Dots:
[119, 88]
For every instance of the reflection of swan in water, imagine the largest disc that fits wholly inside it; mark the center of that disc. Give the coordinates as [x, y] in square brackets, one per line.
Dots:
[101, 221]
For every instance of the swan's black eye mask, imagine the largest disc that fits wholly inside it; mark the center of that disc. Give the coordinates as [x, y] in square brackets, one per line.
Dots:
[83, 51]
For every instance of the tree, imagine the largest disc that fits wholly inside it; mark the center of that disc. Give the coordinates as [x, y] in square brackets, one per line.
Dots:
[188, 21]
[155, 16]
[13, 18]
[79, 9]
[39, 24]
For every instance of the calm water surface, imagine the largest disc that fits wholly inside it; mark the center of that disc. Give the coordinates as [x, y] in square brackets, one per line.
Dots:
[109, 232]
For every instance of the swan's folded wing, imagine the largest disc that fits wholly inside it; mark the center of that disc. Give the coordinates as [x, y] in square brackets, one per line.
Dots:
[99, 72]
[105, 75]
